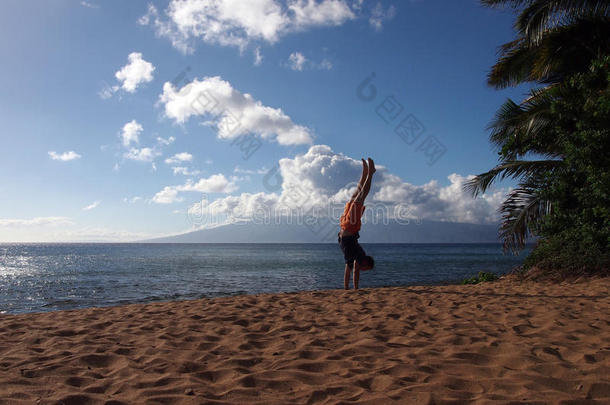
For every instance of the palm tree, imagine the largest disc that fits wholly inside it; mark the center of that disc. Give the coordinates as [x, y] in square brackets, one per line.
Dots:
[556, 38]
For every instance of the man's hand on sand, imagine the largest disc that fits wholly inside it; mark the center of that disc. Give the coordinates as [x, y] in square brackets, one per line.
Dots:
[371, 166]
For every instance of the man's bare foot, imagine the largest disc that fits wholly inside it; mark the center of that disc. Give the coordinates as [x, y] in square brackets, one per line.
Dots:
[371, 166]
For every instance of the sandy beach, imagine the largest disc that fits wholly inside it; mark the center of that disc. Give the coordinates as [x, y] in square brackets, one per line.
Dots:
[503, 342]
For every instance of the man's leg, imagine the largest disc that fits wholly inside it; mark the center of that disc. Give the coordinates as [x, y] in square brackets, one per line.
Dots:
[367, 183]
[365, 174]
[346, 277]
[356, 274]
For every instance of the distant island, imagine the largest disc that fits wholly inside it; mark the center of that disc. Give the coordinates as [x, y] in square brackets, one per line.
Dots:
[424, 232]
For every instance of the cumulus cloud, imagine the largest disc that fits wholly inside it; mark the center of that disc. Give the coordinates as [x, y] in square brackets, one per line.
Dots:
[222, 22]
[233, 113]
[136, 72]
[64, 157]
[130, 138]
[230, 209]
[216, 183]
[320, 181]
[168, 195]
[178, 158]
[131, 133]
[91, 206]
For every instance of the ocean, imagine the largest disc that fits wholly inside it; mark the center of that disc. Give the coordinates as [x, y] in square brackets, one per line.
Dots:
[50, 277]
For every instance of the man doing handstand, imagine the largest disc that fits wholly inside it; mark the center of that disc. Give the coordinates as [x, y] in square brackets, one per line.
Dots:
[355, 257]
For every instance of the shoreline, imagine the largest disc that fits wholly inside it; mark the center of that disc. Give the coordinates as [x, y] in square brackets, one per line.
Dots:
[510, 277]
[245, 294]
[485, 343]
[66, 277]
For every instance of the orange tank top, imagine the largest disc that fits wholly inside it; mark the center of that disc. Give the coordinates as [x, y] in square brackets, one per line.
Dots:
[352, 216]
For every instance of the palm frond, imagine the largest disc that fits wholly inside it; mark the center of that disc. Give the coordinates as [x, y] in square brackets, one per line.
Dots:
[514, 66]
[509, 169]
[522, 212]
[518, 129]
[541, 16]
[561, 52]
[506, 3]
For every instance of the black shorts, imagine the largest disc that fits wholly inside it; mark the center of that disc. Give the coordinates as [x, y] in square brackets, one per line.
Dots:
[351, 249]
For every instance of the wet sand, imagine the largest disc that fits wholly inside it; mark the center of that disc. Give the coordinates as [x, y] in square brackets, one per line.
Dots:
[503, 342]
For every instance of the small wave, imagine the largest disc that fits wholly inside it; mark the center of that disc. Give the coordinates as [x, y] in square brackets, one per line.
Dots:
[61, 303]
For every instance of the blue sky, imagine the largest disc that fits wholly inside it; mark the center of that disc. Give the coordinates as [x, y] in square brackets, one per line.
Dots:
[60, 93]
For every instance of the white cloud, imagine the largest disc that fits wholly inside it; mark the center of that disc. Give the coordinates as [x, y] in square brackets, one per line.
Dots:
[239, 170]
[37, 230]
[379, 16]
[64, 157]
[132, 200]
[178, 158]
[297, 61]
[325, 65]
[185, 171]
[164, 141]
[319, 13]
[216, 183]
[168, 195]
[142, 155]
[108, 91]
[89, 5]
[95, 234]
[323, 180]
[231, 23]
[131, 133]
[136, 72]
[235, 208]
[91, 206]
[38, 221]
[72, 233]
[235, 113]
[258, 56]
